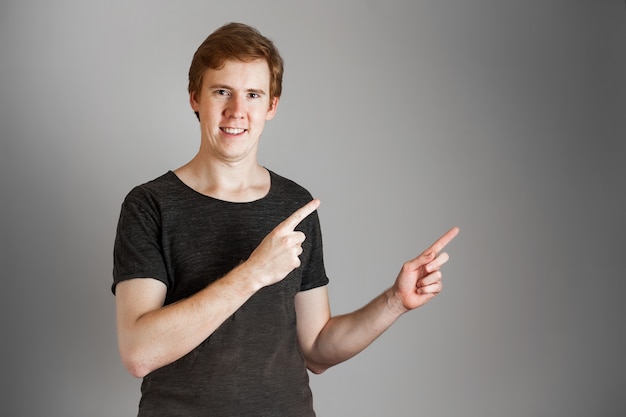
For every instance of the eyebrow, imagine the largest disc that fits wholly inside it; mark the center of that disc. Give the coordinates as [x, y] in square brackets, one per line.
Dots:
[227, 87]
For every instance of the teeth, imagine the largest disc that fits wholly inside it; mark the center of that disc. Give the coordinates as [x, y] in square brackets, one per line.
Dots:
[232, 130]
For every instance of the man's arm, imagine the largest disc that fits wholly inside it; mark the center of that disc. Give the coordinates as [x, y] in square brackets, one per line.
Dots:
[326, 341]
[151, 335]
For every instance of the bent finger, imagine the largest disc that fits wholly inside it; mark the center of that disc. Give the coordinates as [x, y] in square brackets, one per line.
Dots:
[438, 262]
[293, 239]
[433, 289]
[429, 279]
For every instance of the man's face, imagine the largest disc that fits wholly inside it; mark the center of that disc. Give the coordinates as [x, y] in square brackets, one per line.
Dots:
[233, 106]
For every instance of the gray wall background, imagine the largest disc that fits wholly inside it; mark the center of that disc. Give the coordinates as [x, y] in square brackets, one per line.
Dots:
[506, 118]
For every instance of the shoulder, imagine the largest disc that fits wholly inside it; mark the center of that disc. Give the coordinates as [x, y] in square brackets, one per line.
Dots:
[287, 196]
[289, 188]
[163, 187]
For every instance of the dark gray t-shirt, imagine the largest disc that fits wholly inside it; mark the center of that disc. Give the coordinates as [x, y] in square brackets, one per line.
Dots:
[252, 364]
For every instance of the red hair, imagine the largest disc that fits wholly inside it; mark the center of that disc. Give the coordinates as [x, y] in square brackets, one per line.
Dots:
[240, 42]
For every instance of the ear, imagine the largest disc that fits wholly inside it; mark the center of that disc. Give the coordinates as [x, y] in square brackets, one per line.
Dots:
[271, 112]
[193, 102]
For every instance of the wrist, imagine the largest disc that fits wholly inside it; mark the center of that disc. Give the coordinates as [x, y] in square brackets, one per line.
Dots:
[394, 302]
[248, 281]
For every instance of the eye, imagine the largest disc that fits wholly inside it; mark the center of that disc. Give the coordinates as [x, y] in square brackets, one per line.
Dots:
[254, 95]
[222, 92]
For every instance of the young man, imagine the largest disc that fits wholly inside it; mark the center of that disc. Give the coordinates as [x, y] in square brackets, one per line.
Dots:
[214, 261]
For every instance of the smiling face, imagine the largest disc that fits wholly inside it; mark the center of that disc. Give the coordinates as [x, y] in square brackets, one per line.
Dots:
[233, 106]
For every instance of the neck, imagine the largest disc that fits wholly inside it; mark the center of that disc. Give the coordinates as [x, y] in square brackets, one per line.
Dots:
[236, 182]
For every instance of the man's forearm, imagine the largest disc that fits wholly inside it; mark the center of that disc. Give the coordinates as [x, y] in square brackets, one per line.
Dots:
[161, 336]
[346, 335]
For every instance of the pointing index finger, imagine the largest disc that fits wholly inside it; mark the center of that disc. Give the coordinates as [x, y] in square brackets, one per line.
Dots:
[292, 221]
[441, 243]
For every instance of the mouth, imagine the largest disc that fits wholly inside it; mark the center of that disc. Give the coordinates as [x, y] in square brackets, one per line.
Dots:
[233, 130]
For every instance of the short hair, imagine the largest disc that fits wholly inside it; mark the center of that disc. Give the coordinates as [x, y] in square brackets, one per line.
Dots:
[236, 41]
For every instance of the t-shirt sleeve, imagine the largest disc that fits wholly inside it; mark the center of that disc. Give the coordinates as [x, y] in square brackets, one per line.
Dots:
[137, 250]
[314, 272]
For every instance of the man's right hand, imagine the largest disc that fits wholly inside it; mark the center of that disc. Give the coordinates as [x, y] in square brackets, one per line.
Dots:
[279, 252]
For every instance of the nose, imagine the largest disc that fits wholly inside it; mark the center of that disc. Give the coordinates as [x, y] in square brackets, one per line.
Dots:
[235, 108]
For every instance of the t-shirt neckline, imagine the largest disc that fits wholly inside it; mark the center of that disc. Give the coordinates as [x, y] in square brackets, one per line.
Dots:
[175, 177]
